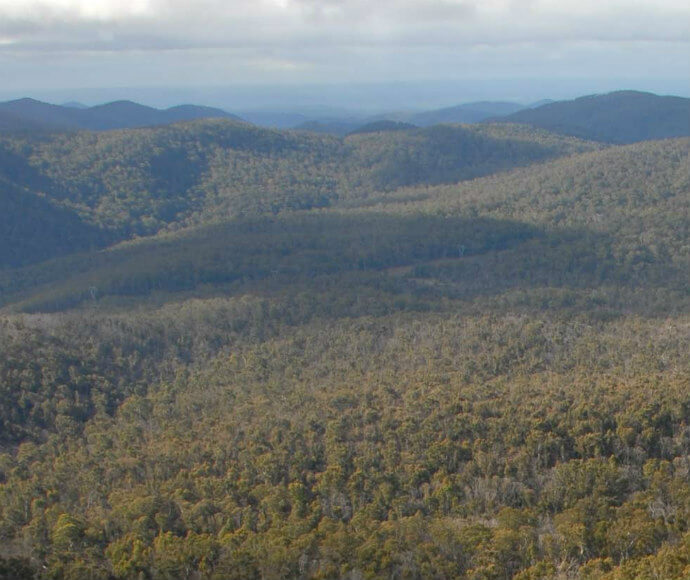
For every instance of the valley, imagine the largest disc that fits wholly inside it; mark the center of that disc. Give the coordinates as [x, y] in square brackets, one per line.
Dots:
[455, 351]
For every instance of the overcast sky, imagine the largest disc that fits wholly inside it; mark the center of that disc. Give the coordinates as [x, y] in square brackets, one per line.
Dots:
[570, 46]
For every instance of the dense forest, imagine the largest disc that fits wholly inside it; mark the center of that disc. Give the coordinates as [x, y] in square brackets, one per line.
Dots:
[618, 117]
[449, 352]
[139, 182]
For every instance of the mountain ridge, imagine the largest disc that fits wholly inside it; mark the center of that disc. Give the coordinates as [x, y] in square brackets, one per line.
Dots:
[122, 114]
[135, 182]
[448, 352]
[619, 117]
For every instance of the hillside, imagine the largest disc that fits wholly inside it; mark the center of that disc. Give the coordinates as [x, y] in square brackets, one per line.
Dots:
[30, 113]
[339, 361]
[32, 229]
[585, 217]
[458, 115]
[620, 117]
[143, 181]
[337, 127]
[381, 126]
[10, 122]
[467, 113]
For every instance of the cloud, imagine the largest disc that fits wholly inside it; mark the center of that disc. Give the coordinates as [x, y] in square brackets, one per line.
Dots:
[180, 24]
[87, 42]
[74, 10]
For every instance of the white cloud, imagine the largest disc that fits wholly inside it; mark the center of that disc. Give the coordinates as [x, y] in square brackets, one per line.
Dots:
[353, 37]
[75, 10]
[273, 22]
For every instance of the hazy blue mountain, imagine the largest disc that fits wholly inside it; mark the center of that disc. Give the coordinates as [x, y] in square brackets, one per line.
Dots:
[193, 112]
[353, 126]
[329, 127]
[29, 113]
[127, 114]
[37, 112]
[120, 114]
[10, 122]
[75, 105]
[619, 117]
[540, 103]
[275, 119]
[381, 126]
[459, 114]
[467, 113]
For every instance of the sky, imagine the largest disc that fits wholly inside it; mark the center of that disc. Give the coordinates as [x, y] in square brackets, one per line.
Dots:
[340, 53]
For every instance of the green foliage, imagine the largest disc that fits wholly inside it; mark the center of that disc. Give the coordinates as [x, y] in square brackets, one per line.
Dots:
[484, 380]
[618, 117]
[120, 184]
[16, 569]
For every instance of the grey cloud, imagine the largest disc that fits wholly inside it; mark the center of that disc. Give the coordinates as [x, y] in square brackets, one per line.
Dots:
[218, 41]
[178, 24]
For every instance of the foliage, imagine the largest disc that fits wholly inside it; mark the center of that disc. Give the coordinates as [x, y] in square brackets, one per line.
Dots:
[121, 184]
[618, 117]
[484, 380]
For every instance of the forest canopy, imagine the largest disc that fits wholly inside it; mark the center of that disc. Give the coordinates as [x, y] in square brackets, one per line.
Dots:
[450, 352]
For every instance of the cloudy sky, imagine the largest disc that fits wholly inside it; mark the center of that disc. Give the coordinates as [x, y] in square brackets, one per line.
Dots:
[511, 48]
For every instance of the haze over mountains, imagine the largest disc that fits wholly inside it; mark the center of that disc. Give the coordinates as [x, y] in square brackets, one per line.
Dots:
[116, 115]
[110, 185]
[467, 113]
[619, 117]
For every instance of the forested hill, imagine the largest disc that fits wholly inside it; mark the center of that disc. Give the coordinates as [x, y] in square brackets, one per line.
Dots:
[33, 229]
[478, 380]
[30, 114]
[466, 113]
[619, 117]
[586, 218]
[118, 184]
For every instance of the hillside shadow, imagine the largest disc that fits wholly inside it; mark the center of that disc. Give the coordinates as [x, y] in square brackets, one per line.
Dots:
[16, 168]
[284, 249]
[418, 258]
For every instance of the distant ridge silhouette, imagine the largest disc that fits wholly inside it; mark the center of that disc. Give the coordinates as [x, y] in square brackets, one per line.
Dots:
[30, 114]
[619, 117]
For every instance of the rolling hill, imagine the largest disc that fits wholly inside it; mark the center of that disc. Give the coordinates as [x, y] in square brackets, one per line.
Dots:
[141, 181]
[446, 352]
[466, 113]
[30, 113]
[619, 117]
[575, 222]
[460, 114]
[32, 229]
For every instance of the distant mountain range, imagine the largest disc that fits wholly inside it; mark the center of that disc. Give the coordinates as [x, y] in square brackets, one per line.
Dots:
[619, 117]
[467, 113]
[30, 114]
[382, 126]
[337, 127]
[276, 119]
[461, 114]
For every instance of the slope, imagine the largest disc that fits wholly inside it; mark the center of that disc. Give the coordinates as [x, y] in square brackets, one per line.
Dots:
[32, 229]
[115, 115]
[479, 380]
[141, 181]
[610, 219]
[619, 117]
[466, 113]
